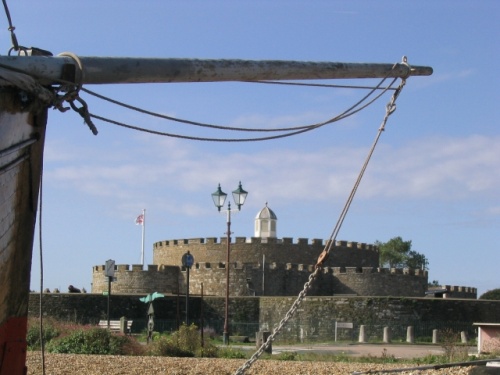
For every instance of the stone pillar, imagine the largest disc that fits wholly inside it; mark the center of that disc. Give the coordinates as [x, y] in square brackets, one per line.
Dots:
[123, 325]
[434, 336]
[387, 335]
[260, 338]
[410, 336]
[463, 337]
[362, 334]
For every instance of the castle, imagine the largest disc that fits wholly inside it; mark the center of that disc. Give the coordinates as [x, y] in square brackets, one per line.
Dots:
[265, 265]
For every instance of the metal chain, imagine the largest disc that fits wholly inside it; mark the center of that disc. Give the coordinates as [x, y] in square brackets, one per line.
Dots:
[281, 324]
[390, 108]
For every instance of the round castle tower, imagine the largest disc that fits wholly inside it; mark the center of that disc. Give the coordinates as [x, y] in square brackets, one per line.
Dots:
[264, 265]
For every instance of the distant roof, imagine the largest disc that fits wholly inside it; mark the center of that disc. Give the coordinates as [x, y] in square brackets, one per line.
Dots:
[266, 213]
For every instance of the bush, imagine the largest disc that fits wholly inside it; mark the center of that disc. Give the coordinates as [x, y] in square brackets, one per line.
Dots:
[186, 342]
[163, 346]
[187, 338]
[287, 356]
[453, 349]
[50, 331]
[230, 353]
[91, 341]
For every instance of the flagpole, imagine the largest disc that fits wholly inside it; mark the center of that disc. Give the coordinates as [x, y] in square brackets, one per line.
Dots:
[143, 235]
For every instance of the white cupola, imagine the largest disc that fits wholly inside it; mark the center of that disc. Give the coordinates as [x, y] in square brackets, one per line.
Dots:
[265, 223]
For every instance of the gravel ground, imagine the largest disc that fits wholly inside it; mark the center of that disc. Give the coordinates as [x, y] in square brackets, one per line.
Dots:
[59, 364]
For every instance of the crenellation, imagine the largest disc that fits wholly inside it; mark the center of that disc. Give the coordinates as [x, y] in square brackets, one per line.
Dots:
[240, 240]
[302, 241]
[352, 244]
[287, 240]
[152, 268]
[211, 240]
[137, 267]
[255, 240]
[317, 242]
[193, 241]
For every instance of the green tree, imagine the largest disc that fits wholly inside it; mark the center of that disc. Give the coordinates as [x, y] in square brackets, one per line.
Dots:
[491, 294]
[434, 283]
[397, 253]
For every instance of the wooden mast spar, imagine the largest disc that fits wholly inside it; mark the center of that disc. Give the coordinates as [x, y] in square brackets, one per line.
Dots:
[112, 70]
[23, 120]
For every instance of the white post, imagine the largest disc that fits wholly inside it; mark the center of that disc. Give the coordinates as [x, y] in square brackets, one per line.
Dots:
[143, 235]
[362, 334]
[263, 272]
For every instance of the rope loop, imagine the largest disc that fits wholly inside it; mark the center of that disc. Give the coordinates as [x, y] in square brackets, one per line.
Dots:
[72, 94]
[84, 112]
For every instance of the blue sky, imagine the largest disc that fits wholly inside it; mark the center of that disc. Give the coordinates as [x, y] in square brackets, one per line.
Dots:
[434, 178]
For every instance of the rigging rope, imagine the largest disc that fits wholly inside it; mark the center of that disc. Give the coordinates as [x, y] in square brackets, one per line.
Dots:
[390, 108]
[40, 307]
[196, 123]
[295, 130]
[292, 130]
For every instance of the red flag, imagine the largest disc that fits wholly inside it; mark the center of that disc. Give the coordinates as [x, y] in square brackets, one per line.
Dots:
[140, 220]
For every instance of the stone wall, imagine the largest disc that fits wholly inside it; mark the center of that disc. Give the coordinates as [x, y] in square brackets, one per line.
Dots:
[259, 280]
[136, 280]
[254, 249]
[314, 317]
[368, 281]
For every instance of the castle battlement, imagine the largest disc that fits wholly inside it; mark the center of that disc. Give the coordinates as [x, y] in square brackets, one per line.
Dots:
[121, 268]
[266, 240]
[298, 267]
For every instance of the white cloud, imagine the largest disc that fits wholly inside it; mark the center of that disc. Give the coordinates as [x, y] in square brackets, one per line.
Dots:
[432, 168]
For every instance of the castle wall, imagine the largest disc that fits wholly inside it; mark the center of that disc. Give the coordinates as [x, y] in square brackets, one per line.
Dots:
[256, 280]
[460, 292]
[369, 281]
[134, 279]
[253, 250]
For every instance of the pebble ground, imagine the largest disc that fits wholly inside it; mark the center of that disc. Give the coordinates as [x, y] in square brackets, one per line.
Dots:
[67, 364]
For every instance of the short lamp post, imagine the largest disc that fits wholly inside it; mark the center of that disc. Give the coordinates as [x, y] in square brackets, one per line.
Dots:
[219, 197]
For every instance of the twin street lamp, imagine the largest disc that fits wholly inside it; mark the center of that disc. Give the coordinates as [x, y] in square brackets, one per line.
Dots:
[219, 197]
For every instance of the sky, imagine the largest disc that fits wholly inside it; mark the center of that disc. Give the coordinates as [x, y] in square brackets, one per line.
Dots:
[434, 177]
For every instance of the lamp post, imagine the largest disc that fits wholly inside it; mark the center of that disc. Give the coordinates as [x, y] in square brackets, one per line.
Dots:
[219, 197]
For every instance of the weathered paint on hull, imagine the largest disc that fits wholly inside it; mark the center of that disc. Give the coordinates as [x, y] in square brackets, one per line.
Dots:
[22, 134]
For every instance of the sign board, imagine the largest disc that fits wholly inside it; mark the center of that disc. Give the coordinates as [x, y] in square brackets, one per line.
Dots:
[346, 325]
[187, 260]
[110, 268]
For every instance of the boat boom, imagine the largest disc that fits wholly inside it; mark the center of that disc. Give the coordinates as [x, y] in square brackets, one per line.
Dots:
[115, 70]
